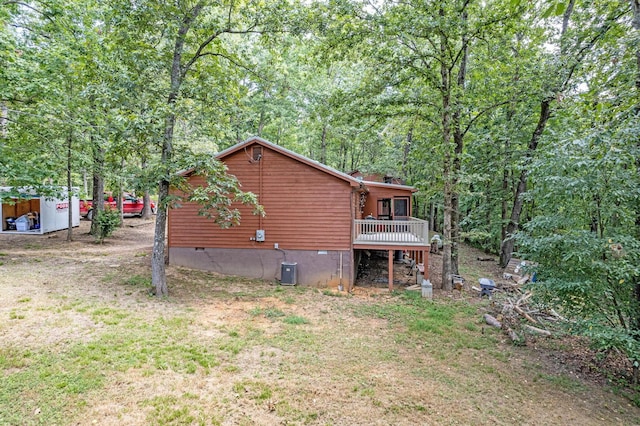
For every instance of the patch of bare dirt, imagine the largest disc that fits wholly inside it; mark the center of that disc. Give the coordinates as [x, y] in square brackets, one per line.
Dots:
[133, 235]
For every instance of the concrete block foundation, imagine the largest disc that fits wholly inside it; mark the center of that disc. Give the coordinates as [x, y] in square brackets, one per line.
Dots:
[316, 268]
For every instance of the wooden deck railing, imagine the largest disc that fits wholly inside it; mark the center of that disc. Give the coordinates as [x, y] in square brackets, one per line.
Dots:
[409, 231]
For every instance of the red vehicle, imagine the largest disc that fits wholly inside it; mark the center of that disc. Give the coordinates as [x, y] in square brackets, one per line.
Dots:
[131, 205]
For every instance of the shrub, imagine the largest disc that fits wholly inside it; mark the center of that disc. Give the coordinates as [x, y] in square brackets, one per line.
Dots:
[108, 221]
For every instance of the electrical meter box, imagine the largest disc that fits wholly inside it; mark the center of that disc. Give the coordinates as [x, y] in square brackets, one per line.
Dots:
[260, 235]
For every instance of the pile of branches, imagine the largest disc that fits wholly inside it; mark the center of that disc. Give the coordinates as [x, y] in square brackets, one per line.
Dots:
[517, 316]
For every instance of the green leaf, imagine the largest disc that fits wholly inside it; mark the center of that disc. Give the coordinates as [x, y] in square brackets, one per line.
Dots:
[556, 9]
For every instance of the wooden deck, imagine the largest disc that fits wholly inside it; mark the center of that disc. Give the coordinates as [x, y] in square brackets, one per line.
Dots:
[411, 233]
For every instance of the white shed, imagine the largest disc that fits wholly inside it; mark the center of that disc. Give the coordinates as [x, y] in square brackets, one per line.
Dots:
[32, 213]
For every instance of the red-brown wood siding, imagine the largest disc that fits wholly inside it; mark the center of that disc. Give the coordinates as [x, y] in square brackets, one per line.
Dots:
[378, 193]
[307, 209]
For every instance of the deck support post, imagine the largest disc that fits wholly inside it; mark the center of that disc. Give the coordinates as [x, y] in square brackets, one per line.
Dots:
[425, 262]
[390, 270]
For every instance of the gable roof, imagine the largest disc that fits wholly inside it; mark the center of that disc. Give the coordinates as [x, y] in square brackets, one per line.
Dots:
[301, 158]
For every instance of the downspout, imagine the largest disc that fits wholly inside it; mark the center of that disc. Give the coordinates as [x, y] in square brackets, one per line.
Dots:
[340, 287]
[355, 200]
[260, 184]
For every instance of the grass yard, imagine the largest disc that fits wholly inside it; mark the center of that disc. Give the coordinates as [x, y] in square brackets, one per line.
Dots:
[82, 343]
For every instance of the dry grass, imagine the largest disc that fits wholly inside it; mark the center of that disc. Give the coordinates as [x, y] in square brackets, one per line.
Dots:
[82, 342]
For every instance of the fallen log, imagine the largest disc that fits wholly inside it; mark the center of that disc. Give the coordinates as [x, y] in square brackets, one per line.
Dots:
[537, 330]
[528, 317]
[492, 321]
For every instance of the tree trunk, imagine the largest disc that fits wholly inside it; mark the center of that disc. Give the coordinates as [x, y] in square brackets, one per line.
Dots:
[447, 178]
[446, 226]
[635, 8]
[455, 223]
[261, 122]
[4, 118]
[506, 171]
[323, 145]
[570, 66]
[147, 211]
[69, 190]
[506, 248]
[158, 275]
[120, 204]
[146, 198]
[432, 217]
[344, 151]
[119, 200]
[458, 142]
[505, 193]
[84, 182]
[405, 153]
[98, 186]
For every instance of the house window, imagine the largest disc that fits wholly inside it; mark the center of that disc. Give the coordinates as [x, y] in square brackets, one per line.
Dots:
[400, 208]
[384, 208]
[256, 153]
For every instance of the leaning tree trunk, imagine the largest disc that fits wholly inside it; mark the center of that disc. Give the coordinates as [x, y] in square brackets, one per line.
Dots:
[507, 175]
[506, 248]
[506, 179]
[570, 65]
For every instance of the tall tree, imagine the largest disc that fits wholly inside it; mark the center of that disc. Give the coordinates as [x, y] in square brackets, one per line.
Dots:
[196, 33]
[574, 44]
[425, 50]
[584, 232]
